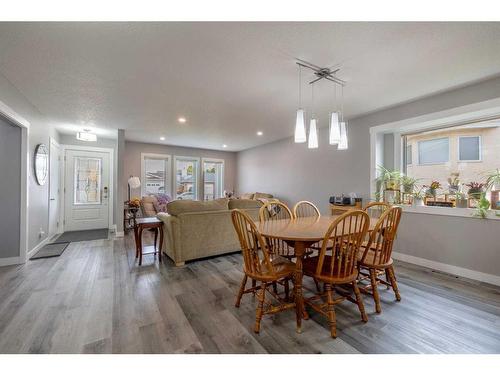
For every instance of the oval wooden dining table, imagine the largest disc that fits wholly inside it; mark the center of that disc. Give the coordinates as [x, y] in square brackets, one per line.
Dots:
[300, 233]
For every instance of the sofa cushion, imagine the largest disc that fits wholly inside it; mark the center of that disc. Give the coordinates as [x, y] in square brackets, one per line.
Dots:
[244, 204]
[262, 195]
[247, 196]
[183, 206]
[148, 205]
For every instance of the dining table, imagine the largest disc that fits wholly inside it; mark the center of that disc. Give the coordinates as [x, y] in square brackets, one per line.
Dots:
[301, 233]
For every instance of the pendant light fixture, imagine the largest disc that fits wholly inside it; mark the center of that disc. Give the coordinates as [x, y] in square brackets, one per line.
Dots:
[313, 129]
[334, 121]
[343, 144]
[338, 134]
[300, 123]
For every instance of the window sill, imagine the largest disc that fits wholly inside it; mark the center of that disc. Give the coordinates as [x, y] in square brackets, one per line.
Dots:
[448, 211]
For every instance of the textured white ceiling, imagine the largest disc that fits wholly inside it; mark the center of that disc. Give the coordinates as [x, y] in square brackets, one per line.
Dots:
[231, 79]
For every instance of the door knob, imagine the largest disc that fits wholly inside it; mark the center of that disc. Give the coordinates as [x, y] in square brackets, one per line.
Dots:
[52, 199]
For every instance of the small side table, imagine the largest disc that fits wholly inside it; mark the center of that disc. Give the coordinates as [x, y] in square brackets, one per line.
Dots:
[147, 223]
[129, 217]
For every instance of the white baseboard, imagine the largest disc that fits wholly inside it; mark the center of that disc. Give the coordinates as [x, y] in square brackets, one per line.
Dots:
[458, 271]
[38, 247]
[119, 234]
[10, 261]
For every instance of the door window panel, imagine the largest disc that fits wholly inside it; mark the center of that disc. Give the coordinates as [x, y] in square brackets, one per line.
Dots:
[87, 186]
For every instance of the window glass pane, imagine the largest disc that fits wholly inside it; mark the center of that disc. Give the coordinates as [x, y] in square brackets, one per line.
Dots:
[408, 155]
[469, 148]
[433, 151]
[155, 176]
[213, 177]
[87, 184]
[186, 179]
[442, 155]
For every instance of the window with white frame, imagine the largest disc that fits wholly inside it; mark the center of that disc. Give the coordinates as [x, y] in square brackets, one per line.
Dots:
[455, 156]
[186, 177]
[469, 148]
[409, 155]
[213, 178]
[434, 151]
[155, 173]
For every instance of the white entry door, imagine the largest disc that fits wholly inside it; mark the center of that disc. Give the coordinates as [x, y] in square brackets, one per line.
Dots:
[54, 188]
[86, 190]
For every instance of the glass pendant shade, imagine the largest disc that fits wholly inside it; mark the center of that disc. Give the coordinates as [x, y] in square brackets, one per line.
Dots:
[343, 137]
[313, 135]
[300, 127]
[334, 128]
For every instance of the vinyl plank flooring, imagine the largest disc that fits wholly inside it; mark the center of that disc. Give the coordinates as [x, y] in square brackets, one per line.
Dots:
[96, 299]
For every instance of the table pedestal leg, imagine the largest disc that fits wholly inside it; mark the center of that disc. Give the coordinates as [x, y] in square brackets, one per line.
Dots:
[299, 300]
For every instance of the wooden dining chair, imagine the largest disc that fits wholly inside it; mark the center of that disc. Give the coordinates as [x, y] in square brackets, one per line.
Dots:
[374, 258]
[336, 266]
[262, 266]
[308, 209]
[375, 209]
[277, 211]
[305, 209]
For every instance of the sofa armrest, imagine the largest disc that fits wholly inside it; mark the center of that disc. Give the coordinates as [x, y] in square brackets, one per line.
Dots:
[172, 245]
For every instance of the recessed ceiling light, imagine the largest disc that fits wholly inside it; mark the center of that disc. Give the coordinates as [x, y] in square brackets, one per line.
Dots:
[182, 120]
[224, 146]
[162, 138]
[259, 133]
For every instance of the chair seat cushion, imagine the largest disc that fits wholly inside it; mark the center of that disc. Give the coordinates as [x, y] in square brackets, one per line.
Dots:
[309, 267]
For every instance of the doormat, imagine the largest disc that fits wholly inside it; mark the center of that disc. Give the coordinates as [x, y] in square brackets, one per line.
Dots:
[51, 250]
[83, 235]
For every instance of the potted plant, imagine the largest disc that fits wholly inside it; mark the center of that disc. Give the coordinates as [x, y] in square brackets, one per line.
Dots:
[482, 207]
[454, 182]
[432, 189]
[389, 180]
[493, 180]
[418, 197]
[493, 183]
[408, 183]
[460, 200]
[476, 189]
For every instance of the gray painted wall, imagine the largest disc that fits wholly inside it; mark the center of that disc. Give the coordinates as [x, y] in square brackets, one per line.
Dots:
[133, 152]
[293, 172]
[40, 132]
[10, 188]
[70, 139]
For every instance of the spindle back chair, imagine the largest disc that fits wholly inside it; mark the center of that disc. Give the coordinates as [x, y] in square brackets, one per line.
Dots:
[337, 264]
[260, 265]
[375, 255]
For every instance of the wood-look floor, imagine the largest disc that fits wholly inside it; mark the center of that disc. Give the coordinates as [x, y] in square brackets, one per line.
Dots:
[95, 299]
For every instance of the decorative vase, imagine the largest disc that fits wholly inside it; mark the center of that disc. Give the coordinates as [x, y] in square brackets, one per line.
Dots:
[495, 199]
[461, 203]
[418, 202]
[475, 193]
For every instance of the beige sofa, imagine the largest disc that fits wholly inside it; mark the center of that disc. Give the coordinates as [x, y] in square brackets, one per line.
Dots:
[195, 229]
[256, 195]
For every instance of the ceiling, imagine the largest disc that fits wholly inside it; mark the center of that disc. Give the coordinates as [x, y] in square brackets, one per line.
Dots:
[231, 80]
